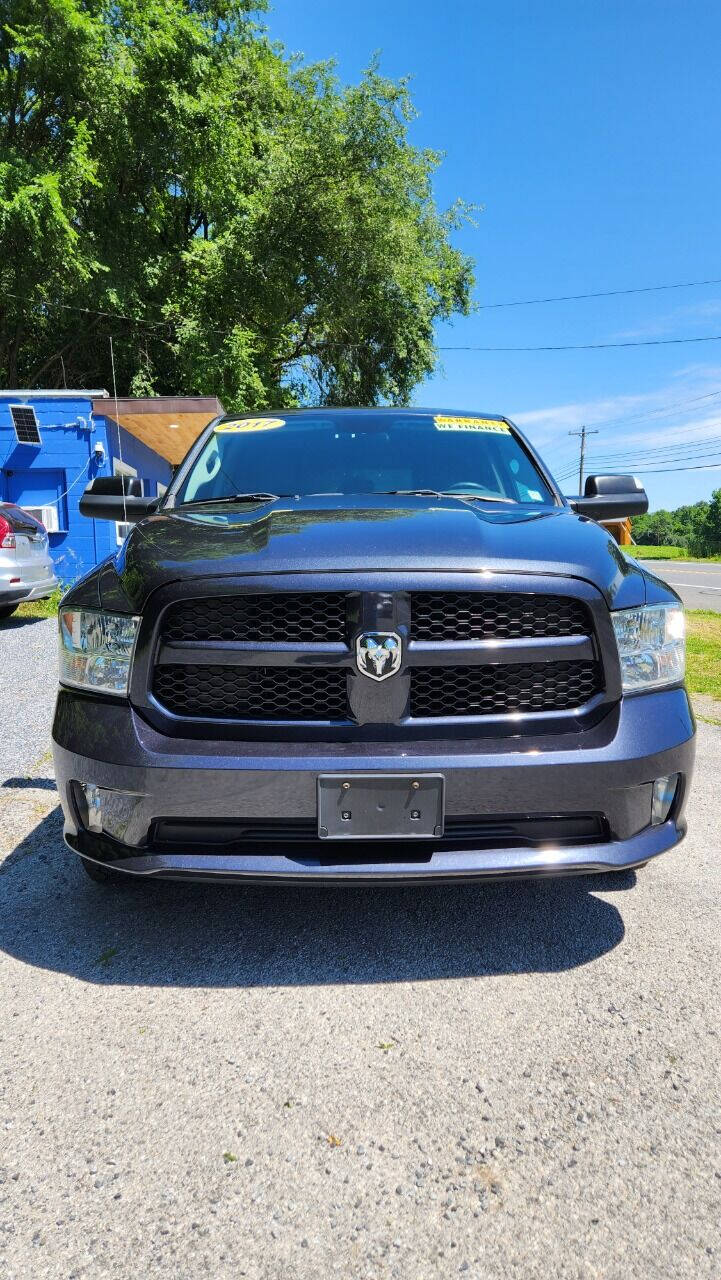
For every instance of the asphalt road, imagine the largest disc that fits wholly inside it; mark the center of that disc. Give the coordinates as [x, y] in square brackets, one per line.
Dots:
[515, 1080]
[698, 584]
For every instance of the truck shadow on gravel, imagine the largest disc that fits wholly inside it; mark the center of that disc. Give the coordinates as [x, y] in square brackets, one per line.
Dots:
[194, 935]
[15, 623]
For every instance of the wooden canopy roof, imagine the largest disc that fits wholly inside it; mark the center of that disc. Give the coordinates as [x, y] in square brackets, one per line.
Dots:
[168, 425]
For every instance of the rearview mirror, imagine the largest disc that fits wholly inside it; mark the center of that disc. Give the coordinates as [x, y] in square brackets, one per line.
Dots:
[115, 498]
[611, 498]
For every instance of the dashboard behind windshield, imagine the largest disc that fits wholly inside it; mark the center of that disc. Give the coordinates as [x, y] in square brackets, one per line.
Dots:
[352, 453]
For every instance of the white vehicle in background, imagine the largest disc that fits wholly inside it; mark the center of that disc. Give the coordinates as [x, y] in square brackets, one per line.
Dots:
[26, 567]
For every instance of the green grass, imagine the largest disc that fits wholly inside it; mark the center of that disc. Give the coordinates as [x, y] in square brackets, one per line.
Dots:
[703, 652]
[657, 553]
[641, 552]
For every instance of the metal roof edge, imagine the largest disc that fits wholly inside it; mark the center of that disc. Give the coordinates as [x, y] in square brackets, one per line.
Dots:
[55, 394]
[140, 405]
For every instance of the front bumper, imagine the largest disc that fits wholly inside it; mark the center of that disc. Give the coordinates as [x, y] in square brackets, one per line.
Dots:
[608, 771]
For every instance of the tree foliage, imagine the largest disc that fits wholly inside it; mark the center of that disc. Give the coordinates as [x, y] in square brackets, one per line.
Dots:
[706, 537]
[272, 234]
[677, 528]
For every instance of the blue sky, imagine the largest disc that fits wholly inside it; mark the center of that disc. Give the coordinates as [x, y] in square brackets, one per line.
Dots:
[590, 134]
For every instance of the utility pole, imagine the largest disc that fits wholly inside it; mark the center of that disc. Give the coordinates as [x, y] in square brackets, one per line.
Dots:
[582, 433]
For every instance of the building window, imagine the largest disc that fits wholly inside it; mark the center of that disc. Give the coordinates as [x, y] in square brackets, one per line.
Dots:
[122, 529]
[42, 492]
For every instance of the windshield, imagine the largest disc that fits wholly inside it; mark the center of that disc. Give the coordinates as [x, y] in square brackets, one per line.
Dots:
[363, 452]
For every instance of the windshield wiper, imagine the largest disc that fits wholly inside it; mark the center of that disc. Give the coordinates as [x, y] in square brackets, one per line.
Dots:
[235, 497]
[479, 497]
[440, 493]
[415, 493]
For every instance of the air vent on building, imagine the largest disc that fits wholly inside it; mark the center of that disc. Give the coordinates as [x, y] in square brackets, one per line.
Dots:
[25, 423]
[47, 516]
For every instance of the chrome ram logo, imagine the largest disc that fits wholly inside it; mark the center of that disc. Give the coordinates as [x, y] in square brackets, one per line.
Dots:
[378, 654]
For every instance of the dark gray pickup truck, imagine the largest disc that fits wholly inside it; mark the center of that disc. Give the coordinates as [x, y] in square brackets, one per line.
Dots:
[369, 645]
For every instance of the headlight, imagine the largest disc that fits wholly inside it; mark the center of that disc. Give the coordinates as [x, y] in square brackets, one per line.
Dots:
[651, 645]
[96, 649]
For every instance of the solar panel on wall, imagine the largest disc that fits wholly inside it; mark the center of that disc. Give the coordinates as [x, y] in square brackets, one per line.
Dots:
[25, 423]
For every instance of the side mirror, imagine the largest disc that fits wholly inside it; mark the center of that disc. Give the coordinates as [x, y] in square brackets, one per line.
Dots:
[611, 498]
[115, 498]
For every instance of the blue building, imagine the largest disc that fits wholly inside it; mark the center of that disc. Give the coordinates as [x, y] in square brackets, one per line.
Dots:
[53, 442]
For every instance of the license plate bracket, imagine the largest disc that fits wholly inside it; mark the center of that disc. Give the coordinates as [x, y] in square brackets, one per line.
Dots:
[380, 806]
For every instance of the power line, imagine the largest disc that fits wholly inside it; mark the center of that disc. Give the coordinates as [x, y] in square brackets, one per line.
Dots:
[670, 433]
[656, 413]
[614, 463]
[655, 453]
[606, 293]
[636, 457]
[652, 471]
[590, 346]
[662, 449]
[621, 468]
[483, 306]
[90, 311]
[582, 346]
[660, 471]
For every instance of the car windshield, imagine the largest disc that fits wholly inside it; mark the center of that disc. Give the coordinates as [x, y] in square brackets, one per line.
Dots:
[359, 453]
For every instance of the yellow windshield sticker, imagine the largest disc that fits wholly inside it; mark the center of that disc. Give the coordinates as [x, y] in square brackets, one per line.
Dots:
[444, 422]
[249, 424]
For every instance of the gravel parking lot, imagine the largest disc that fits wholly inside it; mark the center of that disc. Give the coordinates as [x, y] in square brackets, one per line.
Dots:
[512, 1080]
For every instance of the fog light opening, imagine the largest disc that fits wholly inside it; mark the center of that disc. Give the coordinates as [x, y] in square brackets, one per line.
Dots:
[664, 794]
[104, 811]
[94, 806]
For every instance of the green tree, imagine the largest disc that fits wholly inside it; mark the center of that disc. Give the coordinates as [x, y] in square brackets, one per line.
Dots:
[706, 538]
[686, 520]
[639, 529]
[669, 528]
[654, 529]
[273, 234]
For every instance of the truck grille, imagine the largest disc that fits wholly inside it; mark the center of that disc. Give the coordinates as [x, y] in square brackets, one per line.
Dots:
[455, 615]
[321, 615]
[290, 615]
[502, 690]
[253, 693]
[210, 664]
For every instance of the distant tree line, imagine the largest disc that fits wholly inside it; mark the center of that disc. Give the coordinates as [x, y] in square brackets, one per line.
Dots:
[696, 527]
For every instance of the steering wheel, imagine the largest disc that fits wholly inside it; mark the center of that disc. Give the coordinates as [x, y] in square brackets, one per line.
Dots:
[472, 487]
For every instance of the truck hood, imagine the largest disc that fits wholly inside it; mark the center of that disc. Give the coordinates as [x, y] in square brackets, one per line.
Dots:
[327, 533]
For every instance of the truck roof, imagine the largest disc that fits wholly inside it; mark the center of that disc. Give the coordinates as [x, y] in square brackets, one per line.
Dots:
[410, 410]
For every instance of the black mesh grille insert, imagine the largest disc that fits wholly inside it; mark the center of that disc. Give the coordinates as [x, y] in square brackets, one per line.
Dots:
[318, 694]
[253, 693]
[500, 690]
[292, 616]
[456, 615]
[236, 836]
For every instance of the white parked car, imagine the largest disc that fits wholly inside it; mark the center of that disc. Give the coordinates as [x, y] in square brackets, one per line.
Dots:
[26, 567]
